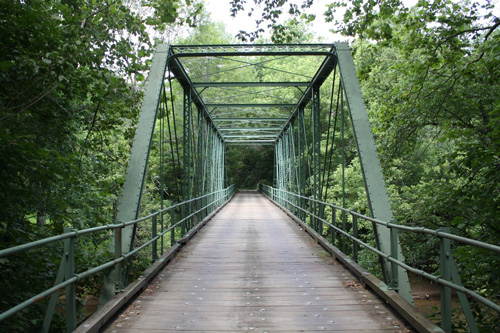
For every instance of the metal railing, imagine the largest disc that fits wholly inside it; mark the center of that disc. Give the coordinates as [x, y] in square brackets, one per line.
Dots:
[289, 200]
[207, 204]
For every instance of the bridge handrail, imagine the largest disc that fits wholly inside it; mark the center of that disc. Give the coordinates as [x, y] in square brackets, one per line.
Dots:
[268, 191]
[422, 230]
[75, 233]
[222, 195]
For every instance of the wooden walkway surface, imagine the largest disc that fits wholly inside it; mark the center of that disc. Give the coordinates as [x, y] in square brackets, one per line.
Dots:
[251, 268]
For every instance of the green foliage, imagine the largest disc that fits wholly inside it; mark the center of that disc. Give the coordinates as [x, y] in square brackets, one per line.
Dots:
[291, 31]
[71, 74]
[249, 166]
[433, 98]
[70, 77]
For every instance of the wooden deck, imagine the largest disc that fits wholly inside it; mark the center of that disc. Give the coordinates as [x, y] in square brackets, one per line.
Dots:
[251, 268]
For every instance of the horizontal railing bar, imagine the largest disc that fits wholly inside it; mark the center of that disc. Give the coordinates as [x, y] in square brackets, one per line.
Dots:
[437, 233]
[76, 233]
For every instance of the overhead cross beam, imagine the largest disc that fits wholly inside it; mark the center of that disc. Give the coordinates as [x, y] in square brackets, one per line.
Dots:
[249, 105]
[248, 84]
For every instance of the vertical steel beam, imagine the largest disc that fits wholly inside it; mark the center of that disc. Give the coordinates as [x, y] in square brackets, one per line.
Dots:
[199, 164]
[302, 160]
[186, 151]
[130, 198]
[277, 164]
[316, 156]
[293, 162]
[206, 164]
[378, 198]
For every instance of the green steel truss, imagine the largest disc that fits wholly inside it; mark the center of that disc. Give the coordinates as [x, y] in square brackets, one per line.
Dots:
[230, 96]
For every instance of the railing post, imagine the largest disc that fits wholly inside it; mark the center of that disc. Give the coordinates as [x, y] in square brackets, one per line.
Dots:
[183, 216]
[445, 255]
[334, 218]
[394, 254]
[355, 235]
[162, 222]
[287, 201]
[303, 215]
[69, 272]
[344, 227]
[172, 231]
[118, 254]
[206, 200]
[321, 214]
[154, 228]
[295, 204]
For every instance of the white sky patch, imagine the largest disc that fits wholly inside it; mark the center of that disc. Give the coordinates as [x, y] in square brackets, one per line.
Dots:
[220, 11]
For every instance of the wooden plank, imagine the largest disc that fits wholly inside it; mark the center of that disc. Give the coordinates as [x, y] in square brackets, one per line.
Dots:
[253, 269]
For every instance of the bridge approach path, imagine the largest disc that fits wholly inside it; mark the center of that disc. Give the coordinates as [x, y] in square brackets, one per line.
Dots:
[251, 268]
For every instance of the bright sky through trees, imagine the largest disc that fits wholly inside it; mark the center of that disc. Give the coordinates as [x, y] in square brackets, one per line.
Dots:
[220, 11]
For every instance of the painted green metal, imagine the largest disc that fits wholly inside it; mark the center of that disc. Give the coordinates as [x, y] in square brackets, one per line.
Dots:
[445, 267]
[293, 161]
[154, 232]
[258, 119]
[130, 198]
[250, 49]
[49, 312]
[249, 84]
[249, 105]
[70, 290]
[250, 142]
[248, 136]
[334, 224]
[316, 157]
[355, 245]
[303, 161]
[180, 74]
[172, 227]
[464, 301]
[65, 272]
[200, 179]
[249, 129]
[319, 78]
[186, 164]
[378, 198]
[393, 284]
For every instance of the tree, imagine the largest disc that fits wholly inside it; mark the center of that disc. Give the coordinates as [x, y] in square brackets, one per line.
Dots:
[70, 76]
[436, 117]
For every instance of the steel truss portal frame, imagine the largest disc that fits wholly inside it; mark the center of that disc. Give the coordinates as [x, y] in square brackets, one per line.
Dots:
[251, 109]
